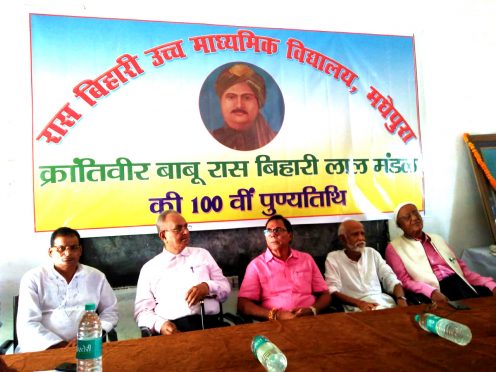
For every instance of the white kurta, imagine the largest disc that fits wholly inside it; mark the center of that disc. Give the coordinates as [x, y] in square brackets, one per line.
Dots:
[50, 308]
[361, 279]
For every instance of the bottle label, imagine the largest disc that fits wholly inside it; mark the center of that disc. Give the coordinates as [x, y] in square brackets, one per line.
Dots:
[431, 322]
[89, 349]
[264, 351]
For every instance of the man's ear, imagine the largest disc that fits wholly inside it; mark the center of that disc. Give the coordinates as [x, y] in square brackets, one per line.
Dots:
[50, 252]
[161, 234]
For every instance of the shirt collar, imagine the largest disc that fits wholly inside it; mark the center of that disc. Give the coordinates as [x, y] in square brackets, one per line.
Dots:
[268, 256]
[423, 239]
[169, 256]
[55, 272]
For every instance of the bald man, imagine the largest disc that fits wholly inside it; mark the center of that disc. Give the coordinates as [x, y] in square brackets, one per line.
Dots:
[242, 94]
[357, 274]
[427, 266]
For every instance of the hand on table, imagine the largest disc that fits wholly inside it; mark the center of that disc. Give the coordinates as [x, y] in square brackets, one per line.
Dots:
[302, 311]
[437, 296]
[367, 306]
[401, 302]
[284, 314]
[168, 328]
[72, 342]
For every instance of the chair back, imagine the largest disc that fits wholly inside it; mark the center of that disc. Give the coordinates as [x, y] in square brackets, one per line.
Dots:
[220, 316]
[14, 317]
[8, 344]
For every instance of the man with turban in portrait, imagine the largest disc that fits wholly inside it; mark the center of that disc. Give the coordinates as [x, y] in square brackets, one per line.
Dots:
[242, 94]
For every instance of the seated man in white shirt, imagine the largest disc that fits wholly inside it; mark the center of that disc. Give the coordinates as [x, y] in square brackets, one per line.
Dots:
[354, 275]
[52, 297]
[172, 284]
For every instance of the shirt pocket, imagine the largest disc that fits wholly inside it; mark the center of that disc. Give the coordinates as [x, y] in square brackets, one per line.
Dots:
[302, 281]
[199, 273]
[267, 286]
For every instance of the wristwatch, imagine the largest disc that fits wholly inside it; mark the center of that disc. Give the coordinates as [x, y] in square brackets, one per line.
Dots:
[314, 310]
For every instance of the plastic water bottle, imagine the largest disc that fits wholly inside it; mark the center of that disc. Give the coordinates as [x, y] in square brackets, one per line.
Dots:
[89, 341]
[456, 332]
[268, 354]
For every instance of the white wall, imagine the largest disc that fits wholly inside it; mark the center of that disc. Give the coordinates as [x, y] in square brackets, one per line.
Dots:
[455, 45]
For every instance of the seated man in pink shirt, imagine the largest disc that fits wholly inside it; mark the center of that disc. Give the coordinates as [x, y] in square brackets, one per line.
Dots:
[427, 266]
[282, 283]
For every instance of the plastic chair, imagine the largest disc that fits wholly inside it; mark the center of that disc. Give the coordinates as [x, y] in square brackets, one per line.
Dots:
[6, 345]
[110, 336]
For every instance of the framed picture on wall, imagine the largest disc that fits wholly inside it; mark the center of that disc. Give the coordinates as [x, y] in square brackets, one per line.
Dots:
[482, 152]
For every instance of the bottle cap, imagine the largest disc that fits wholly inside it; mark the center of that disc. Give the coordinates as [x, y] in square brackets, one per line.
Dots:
[257, 341]
[90, 307]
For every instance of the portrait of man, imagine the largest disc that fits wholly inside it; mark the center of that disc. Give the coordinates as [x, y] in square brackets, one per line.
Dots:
[241, 94]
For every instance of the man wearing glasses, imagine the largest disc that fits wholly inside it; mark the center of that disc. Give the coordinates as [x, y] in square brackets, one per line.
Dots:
[172, 284]
[427, 266]
[282, 283]
[52, 297]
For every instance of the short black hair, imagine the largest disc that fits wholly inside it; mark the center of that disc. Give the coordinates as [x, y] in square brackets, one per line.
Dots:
[287, 224]
[64, 231]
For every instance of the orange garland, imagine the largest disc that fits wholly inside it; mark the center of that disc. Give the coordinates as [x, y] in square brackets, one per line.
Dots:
[479, 160]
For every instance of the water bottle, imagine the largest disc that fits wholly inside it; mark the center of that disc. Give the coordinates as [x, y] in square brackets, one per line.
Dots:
[456, 332]
[268, 354]
[89, 341]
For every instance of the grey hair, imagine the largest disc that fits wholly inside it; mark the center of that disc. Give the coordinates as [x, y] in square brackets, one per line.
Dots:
[161, 218]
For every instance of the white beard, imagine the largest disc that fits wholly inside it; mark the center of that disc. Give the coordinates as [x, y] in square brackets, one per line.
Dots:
[358, 247]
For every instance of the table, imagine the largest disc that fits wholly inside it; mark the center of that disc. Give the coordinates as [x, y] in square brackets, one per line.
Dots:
[378, 340]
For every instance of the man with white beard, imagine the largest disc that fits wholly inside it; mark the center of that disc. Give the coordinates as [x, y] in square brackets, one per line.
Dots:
[354, 275]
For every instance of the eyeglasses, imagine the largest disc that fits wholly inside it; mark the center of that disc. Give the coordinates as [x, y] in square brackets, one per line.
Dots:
[408, 217]
[179, 229]
[63, 248]
[275, 231]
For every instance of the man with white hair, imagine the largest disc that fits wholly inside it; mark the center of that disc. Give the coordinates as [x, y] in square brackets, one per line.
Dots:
[354, 275]
[427, 266]
[173, 283]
